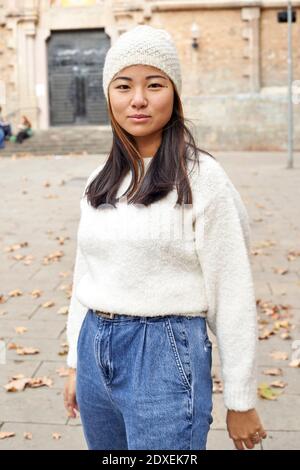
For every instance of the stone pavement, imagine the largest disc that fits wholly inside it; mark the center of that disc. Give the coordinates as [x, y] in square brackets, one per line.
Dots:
[40, 206]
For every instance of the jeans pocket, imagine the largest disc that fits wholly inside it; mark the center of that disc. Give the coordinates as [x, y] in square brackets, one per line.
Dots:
[178, 338]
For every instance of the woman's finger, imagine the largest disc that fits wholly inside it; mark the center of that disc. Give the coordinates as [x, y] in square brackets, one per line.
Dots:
[249, 443]
[263, 433]
[238, 444]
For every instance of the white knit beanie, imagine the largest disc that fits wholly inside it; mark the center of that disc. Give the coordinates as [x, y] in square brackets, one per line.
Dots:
[146, 45]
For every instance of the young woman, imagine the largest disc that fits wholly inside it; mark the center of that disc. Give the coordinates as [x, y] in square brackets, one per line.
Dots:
[163, 249]
[25, 128]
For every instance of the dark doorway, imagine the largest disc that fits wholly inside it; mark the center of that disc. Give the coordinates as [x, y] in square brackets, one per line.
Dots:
[75, 65]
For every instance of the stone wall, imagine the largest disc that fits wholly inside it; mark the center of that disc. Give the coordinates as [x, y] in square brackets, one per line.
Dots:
[234, 83]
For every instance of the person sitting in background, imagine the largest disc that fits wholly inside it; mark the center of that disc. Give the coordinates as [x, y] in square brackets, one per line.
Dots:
[25, 130]
[2, 144]
[5, 126]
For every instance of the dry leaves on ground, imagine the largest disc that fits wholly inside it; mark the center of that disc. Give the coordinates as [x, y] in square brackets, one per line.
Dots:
[22, 350]
[19, 382]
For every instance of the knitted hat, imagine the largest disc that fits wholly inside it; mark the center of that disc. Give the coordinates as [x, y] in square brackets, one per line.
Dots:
[146, 45]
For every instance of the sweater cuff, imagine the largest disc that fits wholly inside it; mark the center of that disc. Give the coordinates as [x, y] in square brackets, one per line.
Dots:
[240, 398]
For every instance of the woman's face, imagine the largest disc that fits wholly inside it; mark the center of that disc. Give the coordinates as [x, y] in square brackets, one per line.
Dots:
[141, 89]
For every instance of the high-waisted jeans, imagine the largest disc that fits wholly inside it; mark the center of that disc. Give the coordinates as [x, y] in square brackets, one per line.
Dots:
[144, 382]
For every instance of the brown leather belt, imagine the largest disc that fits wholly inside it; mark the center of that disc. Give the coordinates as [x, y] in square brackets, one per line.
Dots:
[105, 314]
[112, 315]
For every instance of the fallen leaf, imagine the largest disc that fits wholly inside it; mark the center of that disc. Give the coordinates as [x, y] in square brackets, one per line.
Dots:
[2, 299]
[257, 252]
[63, 310]
[15, 293]
[279, 355]
[281, 271]
[285, 335]
[20, 330]
[5, 434]
[15, 247]
[28, 260]
[40, 382]
[48, 304]
[266, 334]
[278, 384]
[282, 324]
[265, 244]
[64, 349]
[17, 376]
[295, 363]
[292, 255]
[275, 311]
[265, 391]
[53, 257]
[36, 293]
[19, 384]
[26, 351]
[61, 239]
[18, 257]
[273, 371]
[13, 346]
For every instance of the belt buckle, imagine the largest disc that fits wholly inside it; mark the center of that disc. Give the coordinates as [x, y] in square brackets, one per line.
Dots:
[106, 314]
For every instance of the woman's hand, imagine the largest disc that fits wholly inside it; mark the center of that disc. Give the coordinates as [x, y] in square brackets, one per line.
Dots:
[70, 394]
[245, 428]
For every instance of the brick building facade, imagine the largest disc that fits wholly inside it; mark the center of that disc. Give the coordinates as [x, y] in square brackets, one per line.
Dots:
[233, 56]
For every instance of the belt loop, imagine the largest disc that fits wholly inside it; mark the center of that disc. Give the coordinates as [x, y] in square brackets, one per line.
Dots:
[143, 319]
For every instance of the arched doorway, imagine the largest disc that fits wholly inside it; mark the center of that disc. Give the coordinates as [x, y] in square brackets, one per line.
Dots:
[75, 65]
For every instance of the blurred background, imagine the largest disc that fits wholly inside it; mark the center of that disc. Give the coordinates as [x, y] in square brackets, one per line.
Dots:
[233, 54]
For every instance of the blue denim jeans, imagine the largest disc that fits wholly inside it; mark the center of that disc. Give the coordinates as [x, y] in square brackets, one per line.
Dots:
[144, 382]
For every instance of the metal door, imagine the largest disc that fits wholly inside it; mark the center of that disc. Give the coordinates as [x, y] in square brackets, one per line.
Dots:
[75, 65]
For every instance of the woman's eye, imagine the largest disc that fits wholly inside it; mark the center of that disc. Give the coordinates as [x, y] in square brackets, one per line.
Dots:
[119, 87]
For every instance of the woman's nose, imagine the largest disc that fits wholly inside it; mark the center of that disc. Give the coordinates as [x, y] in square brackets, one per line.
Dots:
[139, 98]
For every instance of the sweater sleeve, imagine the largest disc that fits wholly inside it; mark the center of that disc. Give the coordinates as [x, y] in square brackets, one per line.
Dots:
[77, 311]
[223, 246]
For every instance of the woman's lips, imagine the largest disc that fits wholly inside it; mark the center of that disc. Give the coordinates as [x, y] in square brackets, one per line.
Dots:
[139, 119]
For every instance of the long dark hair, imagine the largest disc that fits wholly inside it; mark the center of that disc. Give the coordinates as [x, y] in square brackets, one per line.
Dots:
[167, 168]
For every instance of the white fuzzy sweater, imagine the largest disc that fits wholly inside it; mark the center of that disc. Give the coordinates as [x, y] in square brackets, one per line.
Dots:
[135, 261]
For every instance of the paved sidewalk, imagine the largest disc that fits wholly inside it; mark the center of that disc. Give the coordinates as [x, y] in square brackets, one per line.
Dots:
[40, 206]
